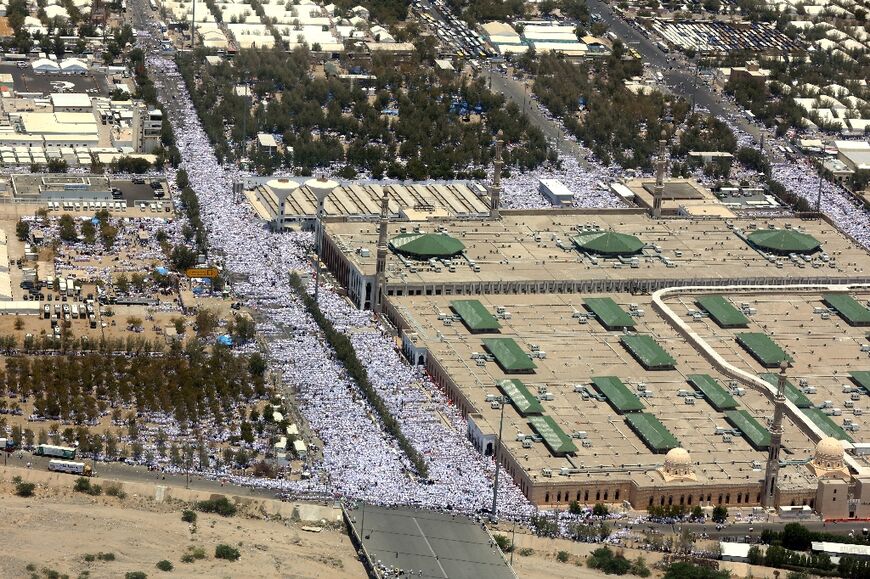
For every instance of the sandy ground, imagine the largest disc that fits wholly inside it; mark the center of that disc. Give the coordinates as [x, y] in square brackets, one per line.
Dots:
[542, 563]
[56, 528]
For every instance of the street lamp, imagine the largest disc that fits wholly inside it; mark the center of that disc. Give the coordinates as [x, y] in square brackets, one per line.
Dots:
[320, 188]
[502, 400]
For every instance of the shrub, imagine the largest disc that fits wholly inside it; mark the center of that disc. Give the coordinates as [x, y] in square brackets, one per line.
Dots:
[24, 489]
[193, 554]
[135, 575]
[526, 552]
[503, 543]
[116, 490]
[89, 558]
[226, 552]
[219, 505]
[562, 556]
[106, 556]
[164, 565]
[188, 516]
[83, 485]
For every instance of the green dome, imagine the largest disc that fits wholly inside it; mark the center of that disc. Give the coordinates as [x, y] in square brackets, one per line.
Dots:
[426, 245]
[783, 241]
[608, 243]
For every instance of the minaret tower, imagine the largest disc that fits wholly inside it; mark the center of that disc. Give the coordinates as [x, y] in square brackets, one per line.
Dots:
[769, 497]
[661, 164]
[495, 188]
[380, 271]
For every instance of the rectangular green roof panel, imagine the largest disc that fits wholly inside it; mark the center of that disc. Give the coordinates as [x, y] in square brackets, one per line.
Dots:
[792, 392]
[648, 352]
[609, 313]
[763, 349]
[862, 379]
[475, 316]
[757, 435]
[554, 437]
[722, 312]
[652, 431]
[509, 355]
[718, 397]
[620, 397]
[521, 398]
[827, 425]
[849, 309]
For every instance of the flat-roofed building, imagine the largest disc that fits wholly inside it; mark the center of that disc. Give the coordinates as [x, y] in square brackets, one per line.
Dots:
[71, 102]
[534, 252]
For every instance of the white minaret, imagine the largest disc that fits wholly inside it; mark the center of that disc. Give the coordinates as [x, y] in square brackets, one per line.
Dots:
[661, 163]
[768, 498]
[381, 270]
[495, 188]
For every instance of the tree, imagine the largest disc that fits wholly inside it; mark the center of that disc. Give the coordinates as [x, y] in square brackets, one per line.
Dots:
[226, 552]
[796, 537]
[720, 514]
[599, 510]
[697, 513]
[22, 230]
[206, 322]
[67, 228]
[89, 232]
[685, 570]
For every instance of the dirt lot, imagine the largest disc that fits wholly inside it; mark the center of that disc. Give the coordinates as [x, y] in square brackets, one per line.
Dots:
[56, 528]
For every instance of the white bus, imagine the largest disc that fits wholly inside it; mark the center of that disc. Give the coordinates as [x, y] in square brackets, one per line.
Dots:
[69, 467]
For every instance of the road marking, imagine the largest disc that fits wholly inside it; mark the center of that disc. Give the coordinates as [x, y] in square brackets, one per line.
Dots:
[431, 550]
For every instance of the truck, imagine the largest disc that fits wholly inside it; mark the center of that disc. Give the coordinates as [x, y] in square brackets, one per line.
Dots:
[7, 444]
[75, 311]
[65, 452]
[70, 467]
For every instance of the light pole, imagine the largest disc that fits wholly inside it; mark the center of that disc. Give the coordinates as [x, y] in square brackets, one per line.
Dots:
[502, 401]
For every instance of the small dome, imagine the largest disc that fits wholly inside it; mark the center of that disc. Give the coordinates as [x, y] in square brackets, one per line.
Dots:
[677, 457]
[829, 452]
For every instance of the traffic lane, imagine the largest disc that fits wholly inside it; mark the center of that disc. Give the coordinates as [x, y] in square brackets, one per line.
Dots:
[629, 34]
[139, 474]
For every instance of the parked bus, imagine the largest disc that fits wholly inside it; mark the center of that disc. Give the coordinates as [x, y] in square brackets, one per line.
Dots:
[65, 452]
[70, 467]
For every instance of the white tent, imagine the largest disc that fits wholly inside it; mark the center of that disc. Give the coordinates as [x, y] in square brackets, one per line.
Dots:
[73, 65]
[45, 65]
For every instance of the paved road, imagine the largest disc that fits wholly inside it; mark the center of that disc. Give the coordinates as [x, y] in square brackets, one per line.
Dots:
[140, 474]
[521, 94]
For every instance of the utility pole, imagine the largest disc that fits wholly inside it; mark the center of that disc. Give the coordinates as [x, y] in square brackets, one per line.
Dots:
[494, 516]
[193, 27]
[513, 542]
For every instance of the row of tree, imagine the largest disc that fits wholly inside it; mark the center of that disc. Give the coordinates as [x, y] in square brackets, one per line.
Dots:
[345, 353]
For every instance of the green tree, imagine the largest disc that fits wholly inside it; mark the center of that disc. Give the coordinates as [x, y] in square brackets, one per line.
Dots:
[67, 228]
[796, 537]
[720, 514]
[22, 230]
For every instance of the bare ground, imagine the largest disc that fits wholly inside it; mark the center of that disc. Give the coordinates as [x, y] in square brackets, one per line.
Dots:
[56, 528]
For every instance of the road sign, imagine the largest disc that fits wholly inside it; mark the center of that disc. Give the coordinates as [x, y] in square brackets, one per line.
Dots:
[202, 272]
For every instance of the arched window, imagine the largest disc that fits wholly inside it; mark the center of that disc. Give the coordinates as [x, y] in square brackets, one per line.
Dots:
[650, 501]
[670, 499]
[586, 495]
[616, 496]
[728, 499]
[559, 497]
[605, 494]
[597, 495]
[682, 499]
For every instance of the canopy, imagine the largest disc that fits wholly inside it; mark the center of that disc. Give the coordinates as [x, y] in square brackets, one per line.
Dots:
[426, 245]
[608, 243]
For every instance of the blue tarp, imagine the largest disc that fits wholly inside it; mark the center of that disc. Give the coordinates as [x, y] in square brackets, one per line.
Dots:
[225, 340]
[161, 270]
